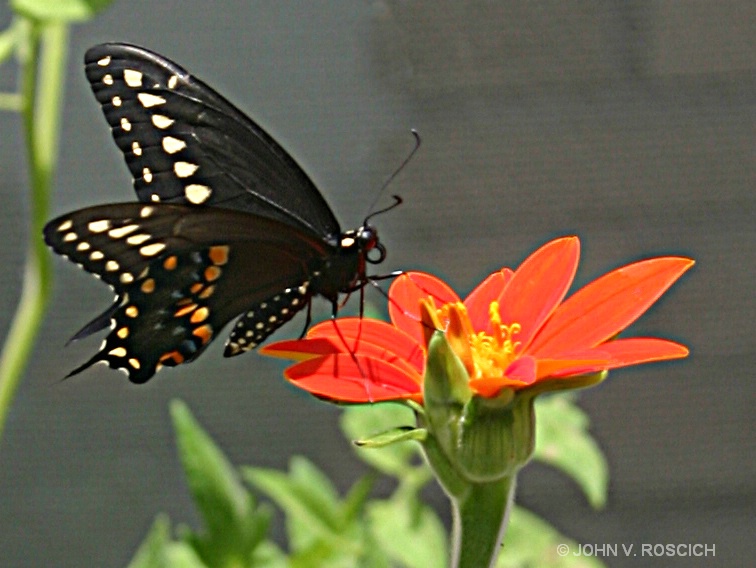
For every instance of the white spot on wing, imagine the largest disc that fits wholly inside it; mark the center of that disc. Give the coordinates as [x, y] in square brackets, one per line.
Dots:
[104, 62]
[197, 193]
[118, 352]
[184, 169]
[136, 148]
[152, 250]
[161, 121]
[125, 124]
[172, 82]
[121, 232]
[132, 77]
[65, 225]
[147, 175]
[136, 240]
[149, 100]
[111, 266]
[146, 211]
[107, 79]
[96, 255]
[70, 237]
[99, 226]
[172, 145]
[116, 101]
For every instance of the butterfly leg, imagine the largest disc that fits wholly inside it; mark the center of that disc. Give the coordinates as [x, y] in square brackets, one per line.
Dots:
[308, 320]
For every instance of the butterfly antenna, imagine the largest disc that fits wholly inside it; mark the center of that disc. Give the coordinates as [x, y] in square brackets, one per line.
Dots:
[397, 171]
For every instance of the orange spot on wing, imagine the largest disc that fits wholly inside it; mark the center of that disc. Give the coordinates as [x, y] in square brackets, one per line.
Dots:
[207, 292]
[219, 255]
[204, 332]
[185, 310]
[212, 273]
[200, 315]
[170, 263]
[172, 358]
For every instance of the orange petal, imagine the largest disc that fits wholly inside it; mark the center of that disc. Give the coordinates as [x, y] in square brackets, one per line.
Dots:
[344, 378]
[300, 349]
[637, 350]
[489, 388]
[573, 365]
[479, 300]
[522, 370]
[606, 306]
[405, 294]
[538, 285]
[373, 338]
[458, 336]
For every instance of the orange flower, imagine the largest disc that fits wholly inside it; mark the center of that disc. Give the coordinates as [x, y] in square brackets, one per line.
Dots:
[513, 331]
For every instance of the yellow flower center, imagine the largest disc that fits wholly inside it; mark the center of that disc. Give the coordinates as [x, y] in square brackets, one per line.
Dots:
[485, 356]
[492, 354]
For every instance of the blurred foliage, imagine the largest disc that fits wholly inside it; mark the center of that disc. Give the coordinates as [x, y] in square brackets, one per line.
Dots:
[324, 528]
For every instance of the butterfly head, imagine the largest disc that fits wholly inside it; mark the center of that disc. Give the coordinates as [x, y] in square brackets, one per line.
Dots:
[364, 240]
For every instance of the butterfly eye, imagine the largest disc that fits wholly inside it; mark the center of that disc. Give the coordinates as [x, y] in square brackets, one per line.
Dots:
[381, 256]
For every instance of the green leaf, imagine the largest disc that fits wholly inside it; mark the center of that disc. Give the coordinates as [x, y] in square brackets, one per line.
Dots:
[530, 541]
[360, 422]
[158, 551]
[234, 526]
[563, 441]
[354, 502]
[62, 10]
[268, 555]
[310, 504]
[315, 485]
[408, 533]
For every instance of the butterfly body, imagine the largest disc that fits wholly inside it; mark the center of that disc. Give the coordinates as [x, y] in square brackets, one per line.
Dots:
[227, 223]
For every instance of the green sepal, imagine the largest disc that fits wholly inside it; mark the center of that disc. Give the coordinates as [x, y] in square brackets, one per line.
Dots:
[393, 436]
[445, 393]
[567, 383]
[496, 436]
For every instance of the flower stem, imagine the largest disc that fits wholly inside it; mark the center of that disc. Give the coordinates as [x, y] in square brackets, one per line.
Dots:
[43, 56]
[480, 520]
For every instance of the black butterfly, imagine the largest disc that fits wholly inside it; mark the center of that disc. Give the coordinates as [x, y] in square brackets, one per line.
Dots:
[227, 223]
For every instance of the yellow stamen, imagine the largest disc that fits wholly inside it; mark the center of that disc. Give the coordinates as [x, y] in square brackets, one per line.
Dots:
[485, 356]
[494, 353]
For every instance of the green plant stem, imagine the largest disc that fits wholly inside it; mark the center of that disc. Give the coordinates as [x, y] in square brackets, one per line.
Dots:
[43, 60]
[480, 520]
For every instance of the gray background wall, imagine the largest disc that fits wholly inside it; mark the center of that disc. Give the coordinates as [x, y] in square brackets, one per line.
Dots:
[629, 123]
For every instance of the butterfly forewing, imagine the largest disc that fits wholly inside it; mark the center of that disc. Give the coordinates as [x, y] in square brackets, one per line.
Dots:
[185, 143]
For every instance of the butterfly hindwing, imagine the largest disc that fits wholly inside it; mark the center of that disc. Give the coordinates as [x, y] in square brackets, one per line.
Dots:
[182, 273]
[185, 143]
